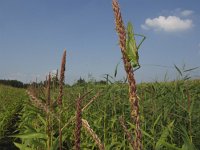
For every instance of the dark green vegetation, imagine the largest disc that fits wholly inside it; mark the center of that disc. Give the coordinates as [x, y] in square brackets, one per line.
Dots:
[170, 116]
[11, 102]
[13, 83]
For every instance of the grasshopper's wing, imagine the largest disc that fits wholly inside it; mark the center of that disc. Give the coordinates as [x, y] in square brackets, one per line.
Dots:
[131, 46]
[131, 36]
[131, 43]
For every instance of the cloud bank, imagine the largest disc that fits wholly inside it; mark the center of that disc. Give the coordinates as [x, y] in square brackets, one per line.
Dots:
[167, 24]
[172, 21]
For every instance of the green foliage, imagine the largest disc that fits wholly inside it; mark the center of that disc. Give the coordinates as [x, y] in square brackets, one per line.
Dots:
[172, 101]
[169, 116]
[80, 82]
[13, 83]
[164, 107]
[11, 100]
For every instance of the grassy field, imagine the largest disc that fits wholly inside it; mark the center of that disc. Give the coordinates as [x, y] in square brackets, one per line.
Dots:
[11, 100]
[169, 111]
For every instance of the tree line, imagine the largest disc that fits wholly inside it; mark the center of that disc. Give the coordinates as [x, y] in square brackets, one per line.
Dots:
[13, 83]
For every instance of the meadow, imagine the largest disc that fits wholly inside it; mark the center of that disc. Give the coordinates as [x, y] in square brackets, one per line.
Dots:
[169, 111]
[11, 100]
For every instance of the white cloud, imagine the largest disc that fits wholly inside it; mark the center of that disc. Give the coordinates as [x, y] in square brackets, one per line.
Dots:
[167, 24]
[186, 13]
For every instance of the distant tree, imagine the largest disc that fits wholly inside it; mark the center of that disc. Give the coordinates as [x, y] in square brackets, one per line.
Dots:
[80, 81]
[101, 82]
[13, 83]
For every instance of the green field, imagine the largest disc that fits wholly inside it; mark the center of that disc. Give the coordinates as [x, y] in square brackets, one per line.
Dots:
[169, 112]
[11, 100]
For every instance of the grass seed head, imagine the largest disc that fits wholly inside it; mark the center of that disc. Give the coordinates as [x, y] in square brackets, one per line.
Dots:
[134, 103]
[119, 25]
[93, 134]
[62, 77]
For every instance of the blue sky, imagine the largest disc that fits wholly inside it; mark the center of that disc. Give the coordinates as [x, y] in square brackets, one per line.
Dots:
[33, 34]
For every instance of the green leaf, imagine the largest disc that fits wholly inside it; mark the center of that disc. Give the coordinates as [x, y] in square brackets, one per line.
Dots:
[156, 121]
[170, 146]
[164, 135]
[143, 132]
[179, 71]
[55, 144]
[188, 145]
[116, 68]
[30, 136]
[191, 107]
[42, 120]
[191, 69]
[114, 145]
[22, 146]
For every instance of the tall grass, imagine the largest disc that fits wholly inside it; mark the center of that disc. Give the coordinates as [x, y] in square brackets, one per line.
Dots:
[11, 100]
[60, 96]
[169, 115]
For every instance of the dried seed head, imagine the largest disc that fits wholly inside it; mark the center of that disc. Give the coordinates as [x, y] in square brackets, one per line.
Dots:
[62, 77]
[134, 103]
[119, 25]
[93, 134]
[38, 103]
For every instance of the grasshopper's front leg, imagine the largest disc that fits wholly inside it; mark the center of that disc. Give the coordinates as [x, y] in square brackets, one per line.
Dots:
[143, 38]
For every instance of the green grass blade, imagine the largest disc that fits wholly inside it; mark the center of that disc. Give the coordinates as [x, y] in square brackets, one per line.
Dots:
[191, 69]
[143, 132]
[22, 146]
[170, 146]
[179, 71]
[188, 145]
[116, 68]
[30, 135]
[164, 136]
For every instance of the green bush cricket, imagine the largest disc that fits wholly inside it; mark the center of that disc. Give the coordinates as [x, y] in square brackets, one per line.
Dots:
[132, 48]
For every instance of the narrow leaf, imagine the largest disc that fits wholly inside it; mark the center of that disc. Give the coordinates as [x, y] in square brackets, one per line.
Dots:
[30, 136]
[22, 146]
[179, 71]
[116, 68]
[191, 69]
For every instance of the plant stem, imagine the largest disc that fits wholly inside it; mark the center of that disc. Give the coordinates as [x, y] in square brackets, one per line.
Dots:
[134, 103]
[59, 101]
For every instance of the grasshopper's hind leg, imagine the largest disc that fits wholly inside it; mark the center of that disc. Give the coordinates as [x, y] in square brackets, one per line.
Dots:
[138, 67]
